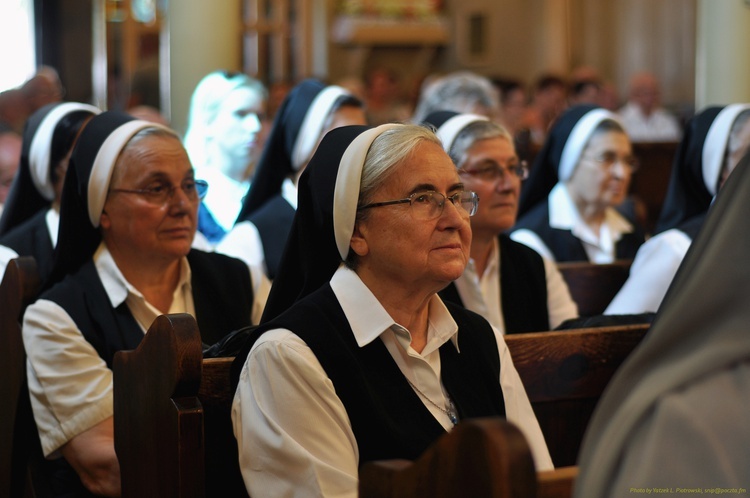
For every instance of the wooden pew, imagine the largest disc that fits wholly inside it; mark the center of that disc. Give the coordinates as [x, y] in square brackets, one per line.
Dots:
[649, 183]
[19, 441]
[564, 373]
[593, 286]
[173, 434]
[481, 457]
[172, 413]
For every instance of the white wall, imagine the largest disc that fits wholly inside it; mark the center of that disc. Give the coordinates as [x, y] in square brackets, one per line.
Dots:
[204, 36]
[722, 63]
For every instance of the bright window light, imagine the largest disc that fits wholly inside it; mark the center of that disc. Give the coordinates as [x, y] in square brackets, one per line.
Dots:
[17, 36]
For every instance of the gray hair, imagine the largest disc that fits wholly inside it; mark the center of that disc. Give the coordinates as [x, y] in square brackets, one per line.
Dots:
[151, 131]
[739, 122]
[472, 133]
[462, 91]
[388, 150]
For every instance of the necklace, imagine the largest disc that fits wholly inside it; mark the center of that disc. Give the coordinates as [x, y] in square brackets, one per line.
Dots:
[451, 411]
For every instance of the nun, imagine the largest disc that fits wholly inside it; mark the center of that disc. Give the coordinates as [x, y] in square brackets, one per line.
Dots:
[714, 142]
[674, 416]
[505, 281]
[30, 220]
[355, 337]
[567, 207]
[123, 257]
[310, 110]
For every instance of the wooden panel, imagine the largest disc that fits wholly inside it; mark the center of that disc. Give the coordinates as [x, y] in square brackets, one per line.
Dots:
[593, 286]
[564, 374]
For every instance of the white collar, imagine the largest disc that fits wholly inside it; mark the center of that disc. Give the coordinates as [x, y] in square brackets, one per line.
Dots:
[565, 215]
[368, 319]
[115, 284]
[289, 192]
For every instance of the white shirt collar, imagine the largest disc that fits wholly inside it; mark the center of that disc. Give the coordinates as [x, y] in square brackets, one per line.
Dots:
[115, 284]
[564, 215]
[368, 319]
[289, 192]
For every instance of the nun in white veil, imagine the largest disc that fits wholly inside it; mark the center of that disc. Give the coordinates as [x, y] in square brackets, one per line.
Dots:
[675, 415]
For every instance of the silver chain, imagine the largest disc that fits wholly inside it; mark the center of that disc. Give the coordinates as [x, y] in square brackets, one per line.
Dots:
[452, 414]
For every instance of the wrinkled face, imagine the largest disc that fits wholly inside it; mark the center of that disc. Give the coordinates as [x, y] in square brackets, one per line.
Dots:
[400, 250]
[134, 223]
[236, 128]
[602, 176]
[498, 197]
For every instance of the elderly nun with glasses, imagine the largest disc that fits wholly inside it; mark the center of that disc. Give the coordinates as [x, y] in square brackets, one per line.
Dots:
[506, 282]
[568, 207]
[358, 358]
[127, 222]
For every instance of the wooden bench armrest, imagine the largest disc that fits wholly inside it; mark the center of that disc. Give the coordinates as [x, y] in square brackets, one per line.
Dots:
[158, 417]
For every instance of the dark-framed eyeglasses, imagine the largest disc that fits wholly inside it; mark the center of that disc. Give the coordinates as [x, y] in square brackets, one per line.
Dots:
[607, 161]
[161, 193]
[428, 205]
[493, 172]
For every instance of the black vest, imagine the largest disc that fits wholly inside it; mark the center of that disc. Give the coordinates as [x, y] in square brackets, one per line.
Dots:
[223, 297]
[692, 226]
[388, 418]
[523, 288]
[31, 238]
[273, 221]
[567, 247]
[222, 294]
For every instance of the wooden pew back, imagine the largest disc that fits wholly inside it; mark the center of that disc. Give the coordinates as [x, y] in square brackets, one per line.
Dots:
[173, 434]
[593, 286]
[19, 440]
[649, 183]
[481, 457]
[564, 373]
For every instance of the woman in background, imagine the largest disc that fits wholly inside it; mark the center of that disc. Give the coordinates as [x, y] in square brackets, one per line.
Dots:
[508, 283]
[30, 221]
[567, 208]
[714, 142]
[223, 138]
[309, 111]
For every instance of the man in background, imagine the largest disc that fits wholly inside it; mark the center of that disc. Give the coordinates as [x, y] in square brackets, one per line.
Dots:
[644, 118]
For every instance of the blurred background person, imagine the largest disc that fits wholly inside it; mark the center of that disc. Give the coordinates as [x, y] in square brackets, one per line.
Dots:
[10, 156]
[222, 138]
[548, 100]
[715, 140]
[568, 205]
[30, 221]
[310, 110]
[384, 97]
[643, 117]
[461, 91]
[506, 282]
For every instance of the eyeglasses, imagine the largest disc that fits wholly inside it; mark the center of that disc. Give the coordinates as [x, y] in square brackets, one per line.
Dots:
[427, 204]
[493, 172]
[607, 161]
[161, 193]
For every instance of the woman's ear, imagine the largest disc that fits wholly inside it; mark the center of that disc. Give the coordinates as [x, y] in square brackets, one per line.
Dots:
[104, 222]
[358, 243]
